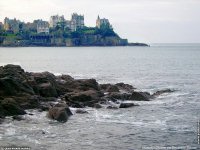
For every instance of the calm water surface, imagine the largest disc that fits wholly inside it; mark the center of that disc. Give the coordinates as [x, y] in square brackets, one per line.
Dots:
[169, 120]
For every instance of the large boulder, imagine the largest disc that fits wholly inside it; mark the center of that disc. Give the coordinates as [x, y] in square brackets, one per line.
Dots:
[140, 96]
[83, 98]
[14, 81]
[60, 112]
[44, 84]
[10, 107]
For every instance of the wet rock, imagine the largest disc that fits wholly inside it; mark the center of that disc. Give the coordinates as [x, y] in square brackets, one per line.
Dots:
[140, 96]
[44, 84]
[47, 90]
[162, 92]
[13, 81]
[109, 88]
[126, 105]
[83, 98]
[28, 102]
[112, 107]
[18, 118]
[97, 106]
[10, 107]
[81, 111]
[88, 84]
[60, 113]
[125, 87]
[117, 87]
[113, 88]
[121, 96]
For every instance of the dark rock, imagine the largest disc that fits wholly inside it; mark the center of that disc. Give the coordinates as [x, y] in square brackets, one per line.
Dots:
[125, 87]
[109, 88]
[44, 106]
[83, 98]
[104, 87]
[13, 81]
[112, 107]
[47, 90]
[44, 84]
[87, 84]
[126, 105]
[60, 113]
[1, 120]
[162, 92]
[140, 96]
[10, 107]
[18, 118]
[112, 88]
[97, 106]
[121, 96]
[81, 111]
[28, 102]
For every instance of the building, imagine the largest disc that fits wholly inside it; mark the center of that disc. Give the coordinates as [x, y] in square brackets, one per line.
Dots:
[70, 25]
[11, 25]
[1, 25]
[43, 27]
[54, 20]
[79, 20]
[102, 22]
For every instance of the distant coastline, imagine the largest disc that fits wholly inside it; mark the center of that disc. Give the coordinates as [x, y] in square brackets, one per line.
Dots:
[59, 32]
[129, 45]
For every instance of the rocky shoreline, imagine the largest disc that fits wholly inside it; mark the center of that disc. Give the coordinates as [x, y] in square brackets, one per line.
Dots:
[20, 91]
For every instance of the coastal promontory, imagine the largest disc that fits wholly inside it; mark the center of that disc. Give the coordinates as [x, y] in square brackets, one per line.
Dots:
[60, 32]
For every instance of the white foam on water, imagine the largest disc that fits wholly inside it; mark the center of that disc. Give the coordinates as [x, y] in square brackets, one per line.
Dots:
[10, 131]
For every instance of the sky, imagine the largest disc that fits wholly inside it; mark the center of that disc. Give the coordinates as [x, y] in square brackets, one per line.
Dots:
[150, 21]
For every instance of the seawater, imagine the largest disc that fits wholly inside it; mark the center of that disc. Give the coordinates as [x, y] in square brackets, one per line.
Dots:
[169, 120]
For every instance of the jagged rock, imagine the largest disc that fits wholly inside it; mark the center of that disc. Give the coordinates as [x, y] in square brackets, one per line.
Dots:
[162, 92]
[140, 96]
[126, 105]
[81, 111]
[125, 87]
[44, 84]
[60, 113]
[13, 81]
[10, 107]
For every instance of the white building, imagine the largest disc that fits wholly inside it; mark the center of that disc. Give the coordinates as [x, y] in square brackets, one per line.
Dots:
[42, 27]
[70, 25]
[54, 20]
[79, 20]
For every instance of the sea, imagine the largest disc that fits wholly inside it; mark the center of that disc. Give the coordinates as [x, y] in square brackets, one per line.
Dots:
[171, 121]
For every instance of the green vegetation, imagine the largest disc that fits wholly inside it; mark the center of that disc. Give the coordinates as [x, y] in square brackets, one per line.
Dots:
[61, 35]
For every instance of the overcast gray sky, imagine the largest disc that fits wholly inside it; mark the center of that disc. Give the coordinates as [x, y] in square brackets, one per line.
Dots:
[151, 21]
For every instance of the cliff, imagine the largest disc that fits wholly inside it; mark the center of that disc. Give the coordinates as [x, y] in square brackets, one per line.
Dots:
[59, 37]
